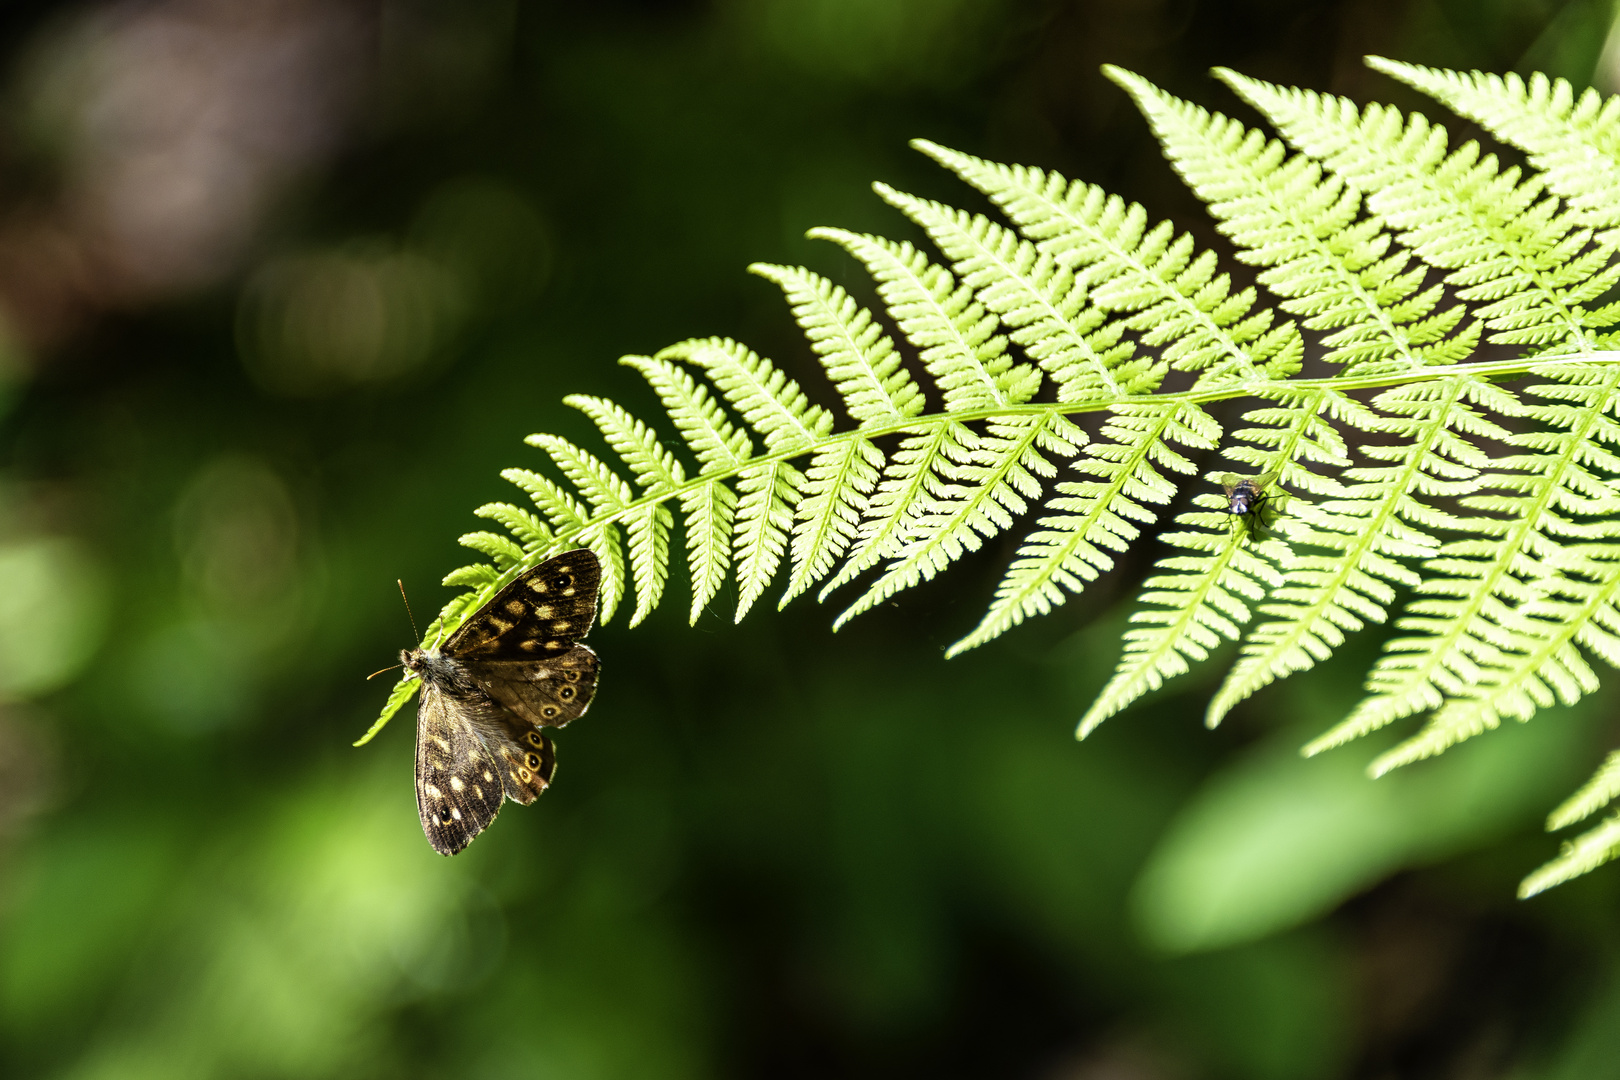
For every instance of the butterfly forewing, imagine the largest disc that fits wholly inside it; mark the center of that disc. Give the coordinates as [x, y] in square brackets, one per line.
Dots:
[540, 614]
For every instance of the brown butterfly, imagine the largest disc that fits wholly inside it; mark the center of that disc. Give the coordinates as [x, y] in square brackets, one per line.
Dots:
[512, 669]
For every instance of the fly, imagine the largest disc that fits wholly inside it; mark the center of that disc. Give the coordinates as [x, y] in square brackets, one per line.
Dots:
[1247, 497]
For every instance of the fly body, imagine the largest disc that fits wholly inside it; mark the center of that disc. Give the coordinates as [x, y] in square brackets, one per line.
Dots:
[1246, 496]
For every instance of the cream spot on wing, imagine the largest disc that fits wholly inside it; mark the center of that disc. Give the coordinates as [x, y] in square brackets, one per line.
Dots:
[435, 792]
[487, 775]
[478, 792]
[501, 625]
[560, 626]
[568, 591]
[455, 814]
[515, 607]
[441, 743]
[543, 611]
[456, 784]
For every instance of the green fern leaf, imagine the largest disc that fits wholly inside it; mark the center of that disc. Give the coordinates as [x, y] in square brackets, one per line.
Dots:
[1574, 141]
[1584, 854]
[1067, 552]
[1180, 302]
[987, 487]
[860, 359]
[1502, 240]
[530, 530]
[709, 510]
[1334, 270]
[1594, 795]
[503, 552]
[916, 468]
[764, 518]
[1038, 298]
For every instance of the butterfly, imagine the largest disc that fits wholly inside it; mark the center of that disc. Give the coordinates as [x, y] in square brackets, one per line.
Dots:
[513, 669]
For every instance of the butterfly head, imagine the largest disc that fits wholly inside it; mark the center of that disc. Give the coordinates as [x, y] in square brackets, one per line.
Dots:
[422, 663]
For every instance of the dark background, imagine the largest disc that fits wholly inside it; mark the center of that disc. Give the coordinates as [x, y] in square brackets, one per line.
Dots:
[285, 283]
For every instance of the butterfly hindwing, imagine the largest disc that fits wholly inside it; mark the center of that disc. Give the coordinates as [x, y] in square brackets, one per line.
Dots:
[529, 761]
[459, 782]
[538, 615]
[545, 693]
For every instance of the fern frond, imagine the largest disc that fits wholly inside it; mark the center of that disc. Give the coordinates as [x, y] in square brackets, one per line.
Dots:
[702, 423]
[1334, 270]
[767, 492]
[1582, 855]
[531, 532]
[1040, 300]
[837, 488]
[1207, 589]
[860, 358]
[1503, 240]
[985, 482]
[1365, 529]
[1180, 302]
[709, 510]
[1574, 140]
[1594, 795]
[914, 472]
[1067, 551]
[865, 367]
[500, 550]
[1201, 600]
[770, 402]
[1503, 647]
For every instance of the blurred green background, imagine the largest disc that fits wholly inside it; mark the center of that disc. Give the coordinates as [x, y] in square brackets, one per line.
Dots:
[285, 283]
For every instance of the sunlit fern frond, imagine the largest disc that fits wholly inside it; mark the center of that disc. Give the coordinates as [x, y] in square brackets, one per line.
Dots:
[1055, 376]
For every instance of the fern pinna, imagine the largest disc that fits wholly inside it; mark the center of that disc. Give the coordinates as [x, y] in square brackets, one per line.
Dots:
[1485, 490]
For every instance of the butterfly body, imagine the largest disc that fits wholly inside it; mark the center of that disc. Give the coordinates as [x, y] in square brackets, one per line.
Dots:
[513, 669]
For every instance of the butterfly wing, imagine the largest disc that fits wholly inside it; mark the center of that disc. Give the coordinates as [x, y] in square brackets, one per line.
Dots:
[528, 760]
[459, 782]
[539, 615]
[547, 692]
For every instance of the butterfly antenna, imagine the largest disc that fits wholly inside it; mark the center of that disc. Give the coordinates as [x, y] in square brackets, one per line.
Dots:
[390, 667]
[408, 613]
